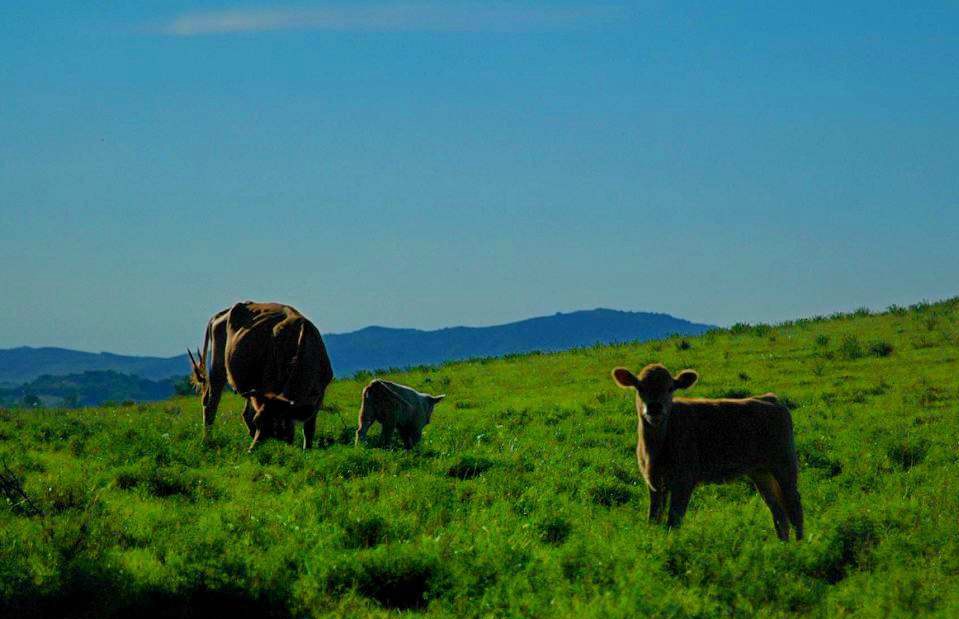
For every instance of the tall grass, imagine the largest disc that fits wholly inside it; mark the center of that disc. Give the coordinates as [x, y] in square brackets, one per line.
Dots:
[523, 498]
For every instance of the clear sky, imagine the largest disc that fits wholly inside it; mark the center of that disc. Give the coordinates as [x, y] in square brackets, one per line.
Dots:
[435, 163]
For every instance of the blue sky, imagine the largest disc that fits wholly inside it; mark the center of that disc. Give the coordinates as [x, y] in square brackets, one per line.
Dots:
[435, 163]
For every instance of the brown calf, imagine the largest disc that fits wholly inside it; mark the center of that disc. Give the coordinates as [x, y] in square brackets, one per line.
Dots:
[687, 441]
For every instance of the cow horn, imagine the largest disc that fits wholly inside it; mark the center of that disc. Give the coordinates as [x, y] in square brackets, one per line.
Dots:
[200, 357]
[192, 360]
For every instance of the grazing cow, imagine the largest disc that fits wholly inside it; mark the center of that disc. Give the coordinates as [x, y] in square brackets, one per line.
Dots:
[395, 407]
[275, 358]
[687, 441]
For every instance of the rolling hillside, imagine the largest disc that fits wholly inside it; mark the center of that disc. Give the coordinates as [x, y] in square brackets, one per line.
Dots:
[522, 500]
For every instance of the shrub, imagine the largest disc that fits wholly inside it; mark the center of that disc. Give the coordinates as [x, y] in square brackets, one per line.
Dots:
[609, 495]
[851, 348]
[845, 549]
[908, 454]
[358, 463]
[880, 348]
[819, 368]
[183, 386]
[822, 340]
[469, 467]
[554, 530]
[761, 330]
[366, 532]
[683, 345]
[395, 577]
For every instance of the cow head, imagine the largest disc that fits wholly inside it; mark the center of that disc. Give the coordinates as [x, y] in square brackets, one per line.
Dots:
[432, 401]
[654, 390]
[200, 379]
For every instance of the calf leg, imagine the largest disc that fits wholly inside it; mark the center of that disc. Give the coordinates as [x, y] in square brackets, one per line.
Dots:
[309, 430]
[791, 501]
[679, 494]
[769, 488]
[657, 499]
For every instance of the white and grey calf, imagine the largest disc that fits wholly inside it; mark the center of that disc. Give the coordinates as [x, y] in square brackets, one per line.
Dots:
[397, 407]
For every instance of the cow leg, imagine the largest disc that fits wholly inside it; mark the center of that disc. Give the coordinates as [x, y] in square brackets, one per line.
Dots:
[657, 499]
[769, 488]
[210, 404]
[289, 431]
[388, 428]
[309, 431]
[248, 418]
[791, 501]
[415, 437]
[364, 426]
[259, 422]
[679, 494]
[410, 436]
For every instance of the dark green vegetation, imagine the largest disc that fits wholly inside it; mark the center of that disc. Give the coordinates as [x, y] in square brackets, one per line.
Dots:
[523, 498]
[87, 389]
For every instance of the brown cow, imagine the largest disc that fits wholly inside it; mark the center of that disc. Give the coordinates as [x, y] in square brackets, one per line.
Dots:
[275, 358]
[687, 441]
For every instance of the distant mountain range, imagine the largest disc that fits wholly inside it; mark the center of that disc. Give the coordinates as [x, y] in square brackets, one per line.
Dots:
[367, 349]
[88, 389]
[381, 347]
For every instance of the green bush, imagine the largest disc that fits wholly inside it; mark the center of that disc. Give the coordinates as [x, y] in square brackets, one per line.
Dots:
[880, 348]
[851, 348]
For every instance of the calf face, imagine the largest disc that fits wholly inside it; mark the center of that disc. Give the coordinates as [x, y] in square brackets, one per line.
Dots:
[654, 389]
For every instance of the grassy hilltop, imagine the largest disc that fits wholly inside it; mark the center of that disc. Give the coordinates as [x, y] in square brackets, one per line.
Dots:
[523, 499]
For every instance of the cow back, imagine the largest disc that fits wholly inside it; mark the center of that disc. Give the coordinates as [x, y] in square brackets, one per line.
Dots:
[272, 348]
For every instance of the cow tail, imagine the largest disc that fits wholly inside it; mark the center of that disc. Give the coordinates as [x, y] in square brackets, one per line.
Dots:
[293, 379]
[206, 339]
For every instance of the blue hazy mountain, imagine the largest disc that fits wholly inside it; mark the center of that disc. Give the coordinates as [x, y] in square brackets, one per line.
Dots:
[382, 347]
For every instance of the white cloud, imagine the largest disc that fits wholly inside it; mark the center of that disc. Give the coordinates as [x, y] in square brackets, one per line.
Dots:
[390, 17]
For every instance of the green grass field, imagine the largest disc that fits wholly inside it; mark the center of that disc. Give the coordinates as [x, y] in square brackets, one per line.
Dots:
[523, 499]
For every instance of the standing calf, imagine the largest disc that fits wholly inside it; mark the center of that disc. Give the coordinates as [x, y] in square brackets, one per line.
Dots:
[687, 441]
[396, 407]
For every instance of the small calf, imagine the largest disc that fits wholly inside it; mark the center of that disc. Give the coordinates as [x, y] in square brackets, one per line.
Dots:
[687, 441]
[396, 407]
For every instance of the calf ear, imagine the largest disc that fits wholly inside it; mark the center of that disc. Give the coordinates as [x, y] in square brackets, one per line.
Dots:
[625, 379]
[685, 379]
